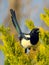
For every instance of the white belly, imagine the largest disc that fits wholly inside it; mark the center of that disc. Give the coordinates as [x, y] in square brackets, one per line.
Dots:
[26, 43]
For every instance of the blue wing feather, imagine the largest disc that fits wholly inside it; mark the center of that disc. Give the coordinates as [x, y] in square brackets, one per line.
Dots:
[14, 21]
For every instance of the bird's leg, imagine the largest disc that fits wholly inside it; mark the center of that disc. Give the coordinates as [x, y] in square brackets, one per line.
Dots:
[26, 50]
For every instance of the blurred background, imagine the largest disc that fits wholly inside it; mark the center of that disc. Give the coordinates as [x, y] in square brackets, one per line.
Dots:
[25, 9]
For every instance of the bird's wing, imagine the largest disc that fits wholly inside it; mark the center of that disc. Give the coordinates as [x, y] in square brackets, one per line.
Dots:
[14, 21]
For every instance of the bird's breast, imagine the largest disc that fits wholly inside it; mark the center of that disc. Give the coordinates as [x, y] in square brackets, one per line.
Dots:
[26, 43]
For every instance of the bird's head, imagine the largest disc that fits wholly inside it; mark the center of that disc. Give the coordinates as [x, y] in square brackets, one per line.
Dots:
[35, 30]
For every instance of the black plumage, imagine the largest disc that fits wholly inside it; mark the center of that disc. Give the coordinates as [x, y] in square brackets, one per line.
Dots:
[34, 36]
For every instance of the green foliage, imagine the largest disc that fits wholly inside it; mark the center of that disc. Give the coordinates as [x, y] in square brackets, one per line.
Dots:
[45, 17]
[46, 11]
[29, 24]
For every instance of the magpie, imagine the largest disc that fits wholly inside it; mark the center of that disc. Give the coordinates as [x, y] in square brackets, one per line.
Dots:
[26, 39]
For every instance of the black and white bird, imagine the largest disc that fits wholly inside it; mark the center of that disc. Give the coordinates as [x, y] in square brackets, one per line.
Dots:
[26, 40]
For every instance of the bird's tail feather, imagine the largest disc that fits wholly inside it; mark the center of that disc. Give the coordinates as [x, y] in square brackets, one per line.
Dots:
[14, 21]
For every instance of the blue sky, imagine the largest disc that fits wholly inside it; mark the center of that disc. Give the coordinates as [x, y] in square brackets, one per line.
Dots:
[1, 58]
[36, 8]
[3, 10]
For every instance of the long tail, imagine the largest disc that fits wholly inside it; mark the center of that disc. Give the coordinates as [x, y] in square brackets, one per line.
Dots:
[14, 21]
